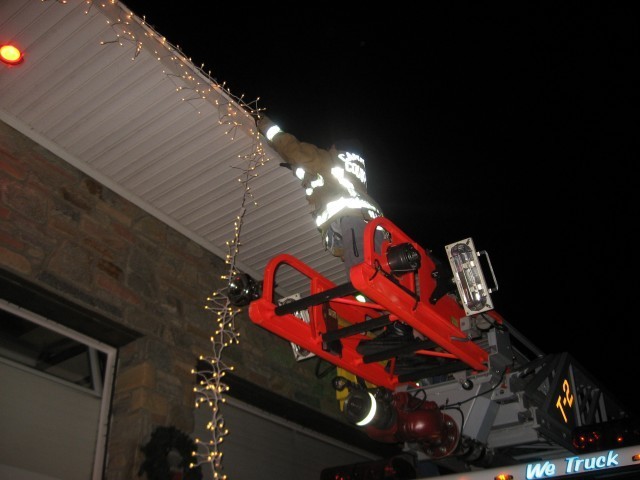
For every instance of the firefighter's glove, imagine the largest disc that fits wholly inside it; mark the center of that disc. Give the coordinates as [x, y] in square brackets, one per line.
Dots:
[267, 127]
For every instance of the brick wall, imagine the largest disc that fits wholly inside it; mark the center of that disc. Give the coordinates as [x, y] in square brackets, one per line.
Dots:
[63, 231]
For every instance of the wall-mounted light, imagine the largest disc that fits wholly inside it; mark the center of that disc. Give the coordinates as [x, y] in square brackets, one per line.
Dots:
[10, 54]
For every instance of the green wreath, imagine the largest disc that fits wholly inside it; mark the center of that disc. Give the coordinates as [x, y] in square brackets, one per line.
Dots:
[163, 441]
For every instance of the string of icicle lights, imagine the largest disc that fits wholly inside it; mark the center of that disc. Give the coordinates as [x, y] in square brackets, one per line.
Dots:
[194, 85]
[211, 388]
[192, 82]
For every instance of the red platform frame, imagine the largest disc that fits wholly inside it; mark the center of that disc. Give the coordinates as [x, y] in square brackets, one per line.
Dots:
[402, 297]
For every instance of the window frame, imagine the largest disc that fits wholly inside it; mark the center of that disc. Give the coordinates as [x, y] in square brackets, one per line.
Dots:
[102, 389]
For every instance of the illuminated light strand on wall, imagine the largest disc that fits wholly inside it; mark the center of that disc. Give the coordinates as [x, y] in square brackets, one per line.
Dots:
[123, 33]
[233, 112]
[88, 2]
[210, 90]
[211, 388]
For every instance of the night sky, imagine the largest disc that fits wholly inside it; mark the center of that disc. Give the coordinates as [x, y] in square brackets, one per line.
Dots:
[509, 122]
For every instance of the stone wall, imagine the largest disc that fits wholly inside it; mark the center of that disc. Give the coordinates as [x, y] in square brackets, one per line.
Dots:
[63, 231]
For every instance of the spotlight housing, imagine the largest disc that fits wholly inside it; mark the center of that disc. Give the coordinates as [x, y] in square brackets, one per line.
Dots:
[243, 290]
[364, 409]
[468, 276]
[403, 258]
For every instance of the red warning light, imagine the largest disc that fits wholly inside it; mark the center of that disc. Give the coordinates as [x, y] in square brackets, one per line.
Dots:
[11, 55]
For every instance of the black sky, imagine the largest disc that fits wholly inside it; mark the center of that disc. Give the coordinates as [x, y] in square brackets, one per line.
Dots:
[508, 122]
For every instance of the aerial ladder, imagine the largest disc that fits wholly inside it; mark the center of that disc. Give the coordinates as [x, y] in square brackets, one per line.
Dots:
[427, 362]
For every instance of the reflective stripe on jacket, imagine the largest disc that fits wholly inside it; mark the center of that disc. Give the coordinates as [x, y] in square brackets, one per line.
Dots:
[335, 182]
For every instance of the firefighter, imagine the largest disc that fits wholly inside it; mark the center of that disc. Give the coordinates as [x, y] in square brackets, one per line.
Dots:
[335, 183]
